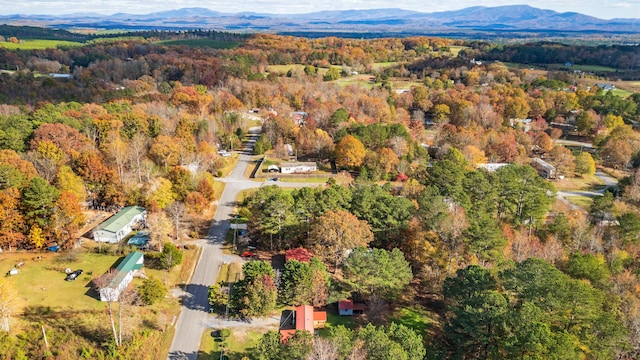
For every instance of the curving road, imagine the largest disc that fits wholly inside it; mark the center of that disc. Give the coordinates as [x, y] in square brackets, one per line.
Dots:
[194, 317]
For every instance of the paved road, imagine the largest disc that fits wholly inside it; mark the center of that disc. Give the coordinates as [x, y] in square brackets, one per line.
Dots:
[606, 179]
[194, 317]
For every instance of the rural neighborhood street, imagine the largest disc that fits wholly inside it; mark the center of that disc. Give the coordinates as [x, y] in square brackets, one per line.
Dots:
[194, 316]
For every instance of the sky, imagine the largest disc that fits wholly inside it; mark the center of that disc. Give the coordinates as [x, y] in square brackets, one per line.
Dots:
[604, 9]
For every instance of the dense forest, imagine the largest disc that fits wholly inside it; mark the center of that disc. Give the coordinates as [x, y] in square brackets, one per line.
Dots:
[503, 262]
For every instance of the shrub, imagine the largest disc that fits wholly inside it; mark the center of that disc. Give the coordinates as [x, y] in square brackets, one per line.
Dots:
[170, 256]
[151, 291]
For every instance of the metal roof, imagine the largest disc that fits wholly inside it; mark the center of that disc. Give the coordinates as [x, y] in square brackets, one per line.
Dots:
[121, 219]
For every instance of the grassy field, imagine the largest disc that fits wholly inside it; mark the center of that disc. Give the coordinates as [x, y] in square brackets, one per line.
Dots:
[382, 65]
[455, 49]
[622, 93]
[41, 279]
[238, 345]
[283, 69]
[361, 81]
[203, 43]
[39, 44]
[584, 183]
[582, 201]
[591, 68]
[415, 318]
[229, 164]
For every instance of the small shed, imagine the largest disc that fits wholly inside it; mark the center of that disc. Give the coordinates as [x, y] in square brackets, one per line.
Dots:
[345, 307]
[117, 227]
[124, 273]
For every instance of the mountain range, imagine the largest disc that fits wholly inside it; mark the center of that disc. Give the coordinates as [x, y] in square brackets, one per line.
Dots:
[512, 18]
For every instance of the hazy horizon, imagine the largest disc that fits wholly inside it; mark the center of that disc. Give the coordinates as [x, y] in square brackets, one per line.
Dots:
[603, 9]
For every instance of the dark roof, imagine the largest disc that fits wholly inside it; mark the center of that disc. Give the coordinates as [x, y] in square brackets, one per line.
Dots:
[345, 305]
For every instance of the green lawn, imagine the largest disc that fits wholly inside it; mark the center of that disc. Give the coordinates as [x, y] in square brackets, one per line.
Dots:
[41, 282]
[584, 183]
[622, 93]
[383, 65]
[283, 69]
[415, 318]
[582, 201]
[39, 44]
[238, 344]
[358, 81]
[319, 179]
[455, 49]
[593, 68]
[334, 320]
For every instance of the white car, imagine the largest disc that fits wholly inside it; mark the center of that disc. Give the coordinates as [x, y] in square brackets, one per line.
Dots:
[224, 153]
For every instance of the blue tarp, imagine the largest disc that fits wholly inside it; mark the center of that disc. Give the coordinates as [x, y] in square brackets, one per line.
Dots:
[139, 239]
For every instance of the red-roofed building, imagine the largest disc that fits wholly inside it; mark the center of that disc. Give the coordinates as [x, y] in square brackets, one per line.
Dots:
[300, 254]
[348, 307]
[345, 307]
[302, 318]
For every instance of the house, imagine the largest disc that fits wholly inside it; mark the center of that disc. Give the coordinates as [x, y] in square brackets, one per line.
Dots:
[124, 273]
[298, 167]
[299, 117]
[117, 227]
[300, 254]
[60, 76]
[303, 318]
[348, 307]
[545, 169]
[605, 87]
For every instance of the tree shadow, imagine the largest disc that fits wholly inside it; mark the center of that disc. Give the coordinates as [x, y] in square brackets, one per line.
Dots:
[218, 230]
[181, 355]
[195, 297]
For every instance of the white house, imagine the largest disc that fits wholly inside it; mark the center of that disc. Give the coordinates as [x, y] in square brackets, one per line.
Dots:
[298, 167]
[119, 225]
[123, 276]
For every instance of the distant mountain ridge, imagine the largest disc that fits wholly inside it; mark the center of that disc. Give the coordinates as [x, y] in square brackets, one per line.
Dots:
[501, 18]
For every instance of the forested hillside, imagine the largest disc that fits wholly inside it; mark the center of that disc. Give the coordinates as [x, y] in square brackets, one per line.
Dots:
[501, 262]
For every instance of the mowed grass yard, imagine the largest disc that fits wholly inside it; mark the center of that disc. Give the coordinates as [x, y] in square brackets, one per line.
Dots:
[41, 282]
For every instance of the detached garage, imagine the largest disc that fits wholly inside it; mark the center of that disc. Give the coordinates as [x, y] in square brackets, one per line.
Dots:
[117, 227]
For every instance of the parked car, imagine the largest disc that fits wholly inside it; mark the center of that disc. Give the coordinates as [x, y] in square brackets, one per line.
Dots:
[272, 179]
[72, 276]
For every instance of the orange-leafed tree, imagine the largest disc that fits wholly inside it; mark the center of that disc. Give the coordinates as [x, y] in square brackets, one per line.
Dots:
[336, 232]
[350, 152]
[67, 218]
[11, 219]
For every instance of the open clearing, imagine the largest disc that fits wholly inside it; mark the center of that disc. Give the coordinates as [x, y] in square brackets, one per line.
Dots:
[39, 44]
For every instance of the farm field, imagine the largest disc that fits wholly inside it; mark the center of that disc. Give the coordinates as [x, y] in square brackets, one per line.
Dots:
[39, 44]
